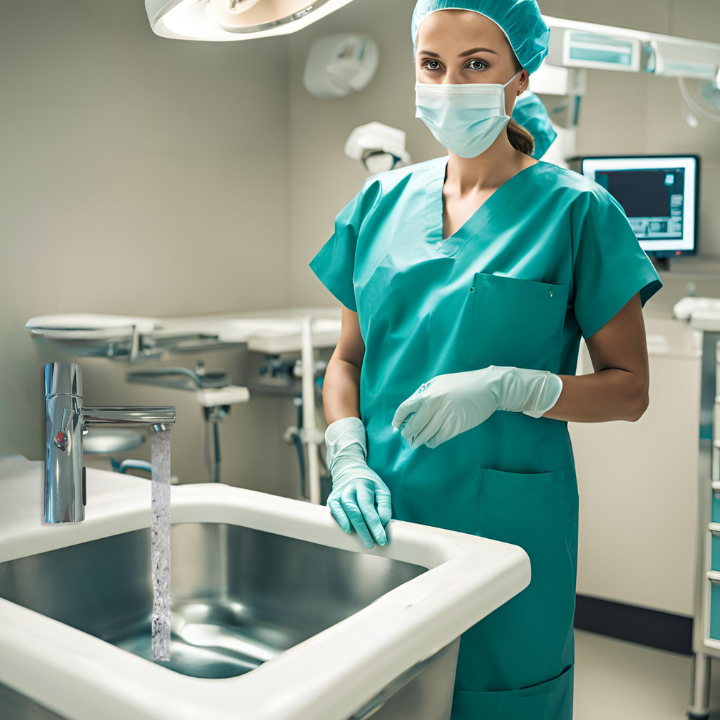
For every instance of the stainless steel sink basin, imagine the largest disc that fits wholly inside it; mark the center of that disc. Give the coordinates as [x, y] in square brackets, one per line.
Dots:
[240, 596]
[277, 614]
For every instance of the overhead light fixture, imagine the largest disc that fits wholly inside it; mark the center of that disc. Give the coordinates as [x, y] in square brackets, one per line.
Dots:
[582, 49]
[674, 59]
[588, 45]
[229, 20]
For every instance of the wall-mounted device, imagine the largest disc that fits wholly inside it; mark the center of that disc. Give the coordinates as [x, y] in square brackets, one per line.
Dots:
[378, 147]
[595, 50]
[660, 196]
[340, 65]
[561, 90]
[603, 47]
[673, 59]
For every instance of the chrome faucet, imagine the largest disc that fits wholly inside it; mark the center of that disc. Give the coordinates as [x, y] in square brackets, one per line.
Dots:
[66, 421]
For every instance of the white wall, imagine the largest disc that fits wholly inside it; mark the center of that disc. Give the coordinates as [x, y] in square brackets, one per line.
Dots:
[639, 485]
[155, 177]
[139, 176]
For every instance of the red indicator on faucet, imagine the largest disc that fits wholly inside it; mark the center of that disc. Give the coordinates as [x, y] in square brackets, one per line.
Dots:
[61, 440]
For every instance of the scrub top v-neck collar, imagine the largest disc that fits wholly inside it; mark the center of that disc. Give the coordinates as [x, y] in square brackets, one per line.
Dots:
[435, 205]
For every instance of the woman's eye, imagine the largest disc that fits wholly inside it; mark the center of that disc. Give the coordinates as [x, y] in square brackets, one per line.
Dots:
[431, 65]
[477, 65]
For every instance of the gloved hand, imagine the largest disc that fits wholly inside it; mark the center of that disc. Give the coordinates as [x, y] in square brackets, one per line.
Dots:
[449, 405]
[359, 497]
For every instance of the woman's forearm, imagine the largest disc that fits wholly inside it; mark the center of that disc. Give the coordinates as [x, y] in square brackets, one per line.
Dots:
[619, 387]
[603, 396]
[341, 390]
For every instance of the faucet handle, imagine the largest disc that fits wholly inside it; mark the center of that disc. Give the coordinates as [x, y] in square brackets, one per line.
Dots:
[61, 439]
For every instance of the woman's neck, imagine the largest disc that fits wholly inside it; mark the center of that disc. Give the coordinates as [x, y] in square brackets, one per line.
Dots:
[487, 171]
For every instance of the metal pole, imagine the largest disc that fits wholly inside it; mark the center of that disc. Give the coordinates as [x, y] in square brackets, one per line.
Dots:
[309, 419]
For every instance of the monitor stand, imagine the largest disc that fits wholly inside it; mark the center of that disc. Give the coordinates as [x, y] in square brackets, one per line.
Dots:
[662, 264]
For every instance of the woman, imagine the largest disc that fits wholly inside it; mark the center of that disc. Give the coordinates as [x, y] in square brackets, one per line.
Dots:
[467, 282]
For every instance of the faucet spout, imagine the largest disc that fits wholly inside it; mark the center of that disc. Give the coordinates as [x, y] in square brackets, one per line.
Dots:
[65, 419]
[148, 416]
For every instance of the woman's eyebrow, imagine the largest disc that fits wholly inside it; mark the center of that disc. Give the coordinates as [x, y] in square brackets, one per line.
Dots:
[464, 54]
[476, 50]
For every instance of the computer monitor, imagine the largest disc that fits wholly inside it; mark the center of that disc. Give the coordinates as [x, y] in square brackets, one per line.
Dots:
[660, 196]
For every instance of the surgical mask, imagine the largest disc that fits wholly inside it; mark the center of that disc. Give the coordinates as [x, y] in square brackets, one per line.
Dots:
[466, 119]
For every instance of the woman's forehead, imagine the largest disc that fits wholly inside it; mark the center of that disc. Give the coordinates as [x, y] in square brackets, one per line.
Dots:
[454, 29]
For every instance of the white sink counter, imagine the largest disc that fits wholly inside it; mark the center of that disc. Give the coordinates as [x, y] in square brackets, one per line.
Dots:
[328, 676]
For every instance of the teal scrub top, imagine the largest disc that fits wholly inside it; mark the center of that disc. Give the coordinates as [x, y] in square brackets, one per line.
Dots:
[550, 256]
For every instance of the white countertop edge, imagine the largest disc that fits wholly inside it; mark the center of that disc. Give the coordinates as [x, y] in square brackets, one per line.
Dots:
[67, 670]
[705, 323]
[226, 327]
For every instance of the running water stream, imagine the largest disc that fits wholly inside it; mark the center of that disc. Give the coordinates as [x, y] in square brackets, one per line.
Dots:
[161, 544]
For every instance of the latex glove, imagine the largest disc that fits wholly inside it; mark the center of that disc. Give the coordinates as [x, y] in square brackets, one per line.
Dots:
[359, 498]
[449, 405]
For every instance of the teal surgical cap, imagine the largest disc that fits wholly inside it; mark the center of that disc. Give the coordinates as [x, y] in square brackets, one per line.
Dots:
[520, 20]
[531, 114]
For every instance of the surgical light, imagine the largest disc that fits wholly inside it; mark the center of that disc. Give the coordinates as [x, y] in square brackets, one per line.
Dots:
[602, 47]
[582, 49]
[228, 20]
[672, 59]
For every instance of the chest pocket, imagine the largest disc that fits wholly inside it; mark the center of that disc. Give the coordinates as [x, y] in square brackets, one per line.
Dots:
[511, 322]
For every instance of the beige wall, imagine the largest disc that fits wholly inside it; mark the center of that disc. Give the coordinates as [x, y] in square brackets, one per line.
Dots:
[155, 177]
[622, 113]
[139, 176]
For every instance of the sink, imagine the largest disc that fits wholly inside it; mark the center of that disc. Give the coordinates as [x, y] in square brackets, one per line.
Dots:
[277, 614]
[240, 596]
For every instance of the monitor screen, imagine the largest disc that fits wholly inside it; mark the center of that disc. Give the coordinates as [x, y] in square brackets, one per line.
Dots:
[659, 196]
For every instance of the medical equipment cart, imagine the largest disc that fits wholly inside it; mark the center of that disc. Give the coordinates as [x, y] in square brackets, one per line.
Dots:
[706, 628]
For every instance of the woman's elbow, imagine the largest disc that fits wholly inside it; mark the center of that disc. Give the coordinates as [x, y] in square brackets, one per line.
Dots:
[638, 406]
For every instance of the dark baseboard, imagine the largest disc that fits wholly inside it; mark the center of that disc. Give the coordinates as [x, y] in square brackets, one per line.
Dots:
[652, 628]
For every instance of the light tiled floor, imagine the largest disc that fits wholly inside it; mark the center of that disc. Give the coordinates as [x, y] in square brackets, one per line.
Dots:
[615, 680]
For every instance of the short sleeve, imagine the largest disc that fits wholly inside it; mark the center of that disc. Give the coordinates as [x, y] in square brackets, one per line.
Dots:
[610, 266]
[335, 264]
